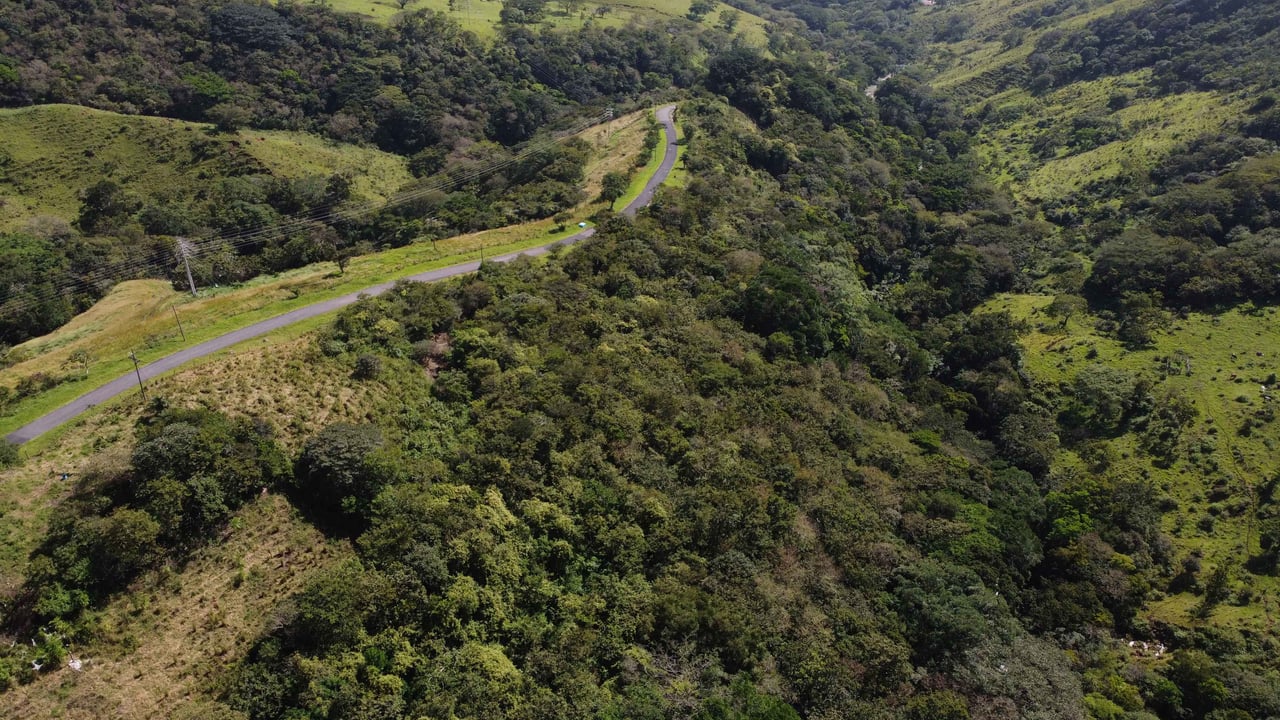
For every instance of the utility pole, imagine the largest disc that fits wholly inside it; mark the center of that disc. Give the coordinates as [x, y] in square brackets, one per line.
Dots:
[184, 249]
[179, 321]
[607, 136]
[608, 127]
[141, 388]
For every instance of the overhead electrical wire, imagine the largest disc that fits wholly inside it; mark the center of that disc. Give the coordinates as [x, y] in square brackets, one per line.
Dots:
[265, 233]
[126, 269]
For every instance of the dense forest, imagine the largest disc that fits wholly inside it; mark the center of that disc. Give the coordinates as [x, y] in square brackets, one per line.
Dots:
[765, 450]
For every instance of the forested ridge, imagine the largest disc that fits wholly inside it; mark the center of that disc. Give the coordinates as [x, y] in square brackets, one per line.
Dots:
[769, 449]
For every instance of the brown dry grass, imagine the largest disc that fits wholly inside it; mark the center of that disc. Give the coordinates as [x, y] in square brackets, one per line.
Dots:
[190, 628]
[28, 492]
[617, 143]
[289, 383]
[133, 312]
[167, 642]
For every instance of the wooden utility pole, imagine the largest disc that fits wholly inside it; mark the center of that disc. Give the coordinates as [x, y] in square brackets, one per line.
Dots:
[142, 388]
[185, 250]
[179, 321]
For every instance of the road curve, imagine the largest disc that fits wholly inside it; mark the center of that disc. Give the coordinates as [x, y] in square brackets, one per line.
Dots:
[125, 382]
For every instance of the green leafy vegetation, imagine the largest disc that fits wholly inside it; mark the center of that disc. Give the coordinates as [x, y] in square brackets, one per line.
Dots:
[137, 315]
[939, 387]
[54, 152]
[189, 472]
[423, 89]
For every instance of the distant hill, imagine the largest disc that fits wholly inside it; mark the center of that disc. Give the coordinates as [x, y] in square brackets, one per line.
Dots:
[483, 16]
[1077, 101]
[1145, 134]
[49, 154]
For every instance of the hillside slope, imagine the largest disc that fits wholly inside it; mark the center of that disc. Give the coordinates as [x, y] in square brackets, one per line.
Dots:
[50, 154]
[1077, 101]
[142, 316]
[1130, 125]
[840, 427]
[483, 16]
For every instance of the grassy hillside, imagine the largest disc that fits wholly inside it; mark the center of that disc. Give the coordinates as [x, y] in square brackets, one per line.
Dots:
[160, 646]
[49, 153]
[1225, 364]
[998, 37]
[1089, 114]
[168, 642]
[1128, 143]
[1089, 132]
[280, 378]
[482, 16]
[163, 648]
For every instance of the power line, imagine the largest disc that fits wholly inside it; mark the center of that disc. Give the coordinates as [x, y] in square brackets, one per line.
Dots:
[265, 233]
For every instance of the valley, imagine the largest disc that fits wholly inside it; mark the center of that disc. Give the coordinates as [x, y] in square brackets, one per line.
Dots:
[947, 401]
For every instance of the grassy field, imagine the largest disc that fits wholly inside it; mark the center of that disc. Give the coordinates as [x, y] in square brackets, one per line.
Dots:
[982, 55]
[482, 16]
[376, 175]
[1148, 129]
[1230, 357]
[139, 315]
[55, 151]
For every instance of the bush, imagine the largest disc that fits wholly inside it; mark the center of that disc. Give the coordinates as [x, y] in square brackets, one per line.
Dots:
[927, 440]
[331, 608]
[9, 455]
[368, 367]
[339, 471]
[938, 705]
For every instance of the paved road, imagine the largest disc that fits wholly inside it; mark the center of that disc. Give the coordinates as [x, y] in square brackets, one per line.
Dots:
[127, 381]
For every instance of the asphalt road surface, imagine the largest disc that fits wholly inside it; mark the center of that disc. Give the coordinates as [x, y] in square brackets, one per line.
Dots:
[125, 382]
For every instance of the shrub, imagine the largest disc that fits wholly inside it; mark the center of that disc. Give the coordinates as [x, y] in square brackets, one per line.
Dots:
[368, 367]
[339, 469]
[9, 455]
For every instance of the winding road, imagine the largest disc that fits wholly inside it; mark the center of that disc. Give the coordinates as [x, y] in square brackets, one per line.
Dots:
[125, 382]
